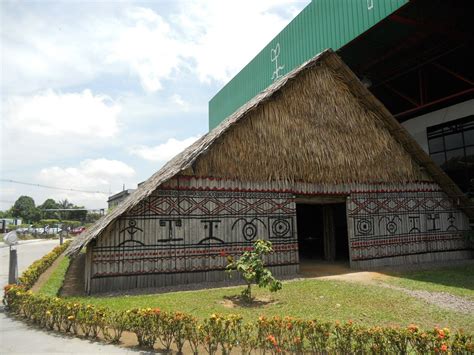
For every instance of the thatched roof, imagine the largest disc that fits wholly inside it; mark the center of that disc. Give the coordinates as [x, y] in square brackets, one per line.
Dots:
[368, 137]
[315, 131]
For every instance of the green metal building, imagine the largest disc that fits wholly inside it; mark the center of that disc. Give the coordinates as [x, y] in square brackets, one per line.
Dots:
[322, 24]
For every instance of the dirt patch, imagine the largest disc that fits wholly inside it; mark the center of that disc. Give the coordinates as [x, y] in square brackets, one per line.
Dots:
[257, 302]
[365, 277]
[45, 275]
[74, 279]
[441, 299]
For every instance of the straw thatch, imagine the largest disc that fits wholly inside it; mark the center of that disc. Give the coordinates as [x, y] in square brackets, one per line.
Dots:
[314, 131]
[309, 129]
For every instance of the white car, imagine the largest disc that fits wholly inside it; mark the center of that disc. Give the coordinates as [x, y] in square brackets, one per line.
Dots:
[53, 230]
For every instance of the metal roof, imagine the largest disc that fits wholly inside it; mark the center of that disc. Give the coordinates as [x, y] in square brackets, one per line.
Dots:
[322, 24]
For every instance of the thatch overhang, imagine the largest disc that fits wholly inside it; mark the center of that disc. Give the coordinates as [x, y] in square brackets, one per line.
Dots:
[200, 159]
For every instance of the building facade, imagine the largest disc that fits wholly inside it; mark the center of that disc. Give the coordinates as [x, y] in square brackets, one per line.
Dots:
[327, 191]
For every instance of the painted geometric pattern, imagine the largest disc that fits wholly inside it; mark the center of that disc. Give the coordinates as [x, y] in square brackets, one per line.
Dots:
[164, 202]
[188, 231]
[394, 224]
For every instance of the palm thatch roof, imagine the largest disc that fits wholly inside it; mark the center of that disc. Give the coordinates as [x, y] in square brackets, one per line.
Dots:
[317, 105]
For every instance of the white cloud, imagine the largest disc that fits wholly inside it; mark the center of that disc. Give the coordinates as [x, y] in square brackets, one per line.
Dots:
[211, 38]
[165, 151]
[223, 36]
[56, 114]
[178, 100]
[147, 46]
[99, 175]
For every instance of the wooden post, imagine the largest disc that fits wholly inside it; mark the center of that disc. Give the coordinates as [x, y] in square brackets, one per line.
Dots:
[329, 233]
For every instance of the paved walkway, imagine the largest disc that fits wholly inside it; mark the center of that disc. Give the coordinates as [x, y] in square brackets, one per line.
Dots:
[16, 337]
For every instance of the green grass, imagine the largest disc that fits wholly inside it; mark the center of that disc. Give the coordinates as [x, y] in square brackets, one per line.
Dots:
[53, 284]
[326, 300]
[457, 280]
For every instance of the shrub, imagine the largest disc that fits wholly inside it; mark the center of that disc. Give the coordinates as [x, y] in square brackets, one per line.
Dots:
[251, 266]
[145, 323]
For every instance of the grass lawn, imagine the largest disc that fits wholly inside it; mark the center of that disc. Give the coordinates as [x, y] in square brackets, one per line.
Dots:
[320, 299]
[326, 300]
[457, 280]
[54, 282]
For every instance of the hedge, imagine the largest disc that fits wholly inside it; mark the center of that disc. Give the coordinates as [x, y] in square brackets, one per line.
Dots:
[154, 327]
[29, 277]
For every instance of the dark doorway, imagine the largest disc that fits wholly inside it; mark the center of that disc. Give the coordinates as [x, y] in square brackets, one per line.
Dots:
[322, 231]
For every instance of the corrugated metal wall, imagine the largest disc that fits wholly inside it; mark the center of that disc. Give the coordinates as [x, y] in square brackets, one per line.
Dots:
[322, 24]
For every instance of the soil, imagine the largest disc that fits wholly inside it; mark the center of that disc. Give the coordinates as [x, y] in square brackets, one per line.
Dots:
[45, 275]
[74, 280]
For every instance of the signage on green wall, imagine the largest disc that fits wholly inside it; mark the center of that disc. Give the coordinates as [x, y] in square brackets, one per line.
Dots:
[322, 24]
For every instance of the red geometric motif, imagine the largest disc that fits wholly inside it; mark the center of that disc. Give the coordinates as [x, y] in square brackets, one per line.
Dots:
[364, 205]
[191, 205]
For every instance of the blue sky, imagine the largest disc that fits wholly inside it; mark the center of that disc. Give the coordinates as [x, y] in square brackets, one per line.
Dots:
[95, 95]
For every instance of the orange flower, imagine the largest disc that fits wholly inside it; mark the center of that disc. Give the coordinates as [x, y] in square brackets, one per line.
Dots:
[444, 348]
[272, 340]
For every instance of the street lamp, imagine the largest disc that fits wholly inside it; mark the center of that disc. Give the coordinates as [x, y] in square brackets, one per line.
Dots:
[11, 239]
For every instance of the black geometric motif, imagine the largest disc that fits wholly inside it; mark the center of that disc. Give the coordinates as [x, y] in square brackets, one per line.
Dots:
[169, 223]
[281, 227]
[433, 217]
[415, 224]
[132, 228]
[249, 229]
[452, 220]
[364, 226]
[391, 224]
[210, 225]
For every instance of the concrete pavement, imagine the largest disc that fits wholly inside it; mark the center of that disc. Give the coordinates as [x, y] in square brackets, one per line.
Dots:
[16, 337]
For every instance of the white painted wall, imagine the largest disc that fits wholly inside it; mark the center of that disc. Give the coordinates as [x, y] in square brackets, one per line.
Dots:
[417, 125]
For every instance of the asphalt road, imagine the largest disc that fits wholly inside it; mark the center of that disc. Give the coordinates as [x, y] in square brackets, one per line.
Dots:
[16, 337]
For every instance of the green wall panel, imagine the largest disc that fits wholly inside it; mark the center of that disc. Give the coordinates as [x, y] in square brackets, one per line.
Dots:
[322, 24]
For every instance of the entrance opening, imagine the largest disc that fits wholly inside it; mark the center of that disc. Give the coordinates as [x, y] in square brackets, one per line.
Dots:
[322, 231]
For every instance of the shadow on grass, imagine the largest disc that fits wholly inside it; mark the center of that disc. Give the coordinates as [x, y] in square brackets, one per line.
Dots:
[238, 301]
[458, 276]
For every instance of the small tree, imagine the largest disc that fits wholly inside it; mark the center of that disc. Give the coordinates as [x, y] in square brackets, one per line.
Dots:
[250, 265]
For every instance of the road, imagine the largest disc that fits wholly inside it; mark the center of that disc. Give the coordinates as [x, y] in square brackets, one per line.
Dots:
[16, 337]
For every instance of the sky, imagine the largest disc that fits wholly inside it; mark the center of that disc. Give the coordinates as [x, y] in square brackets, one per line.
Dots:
[97, 95]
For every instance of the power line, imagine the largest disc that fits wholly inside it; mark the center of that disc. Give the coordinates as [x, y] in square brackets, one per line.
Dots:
[53, 187]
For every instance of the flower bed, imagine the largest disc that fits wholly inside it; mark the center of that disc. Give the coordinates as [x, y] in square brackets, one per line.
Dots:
[167, 330]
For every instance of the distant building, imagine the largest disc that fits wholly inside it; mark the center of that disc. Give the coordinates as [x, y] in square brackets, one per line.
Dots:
[5, 222]
[115, 200]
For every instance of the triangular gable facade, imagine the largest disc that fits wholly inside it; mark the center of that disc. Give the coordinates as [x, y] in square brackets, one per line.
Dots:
[316, 131]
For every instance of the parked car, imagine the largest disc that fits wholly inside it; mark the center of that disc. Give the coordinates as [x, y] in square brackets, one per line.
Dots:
[78, 230]
[53, 230]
